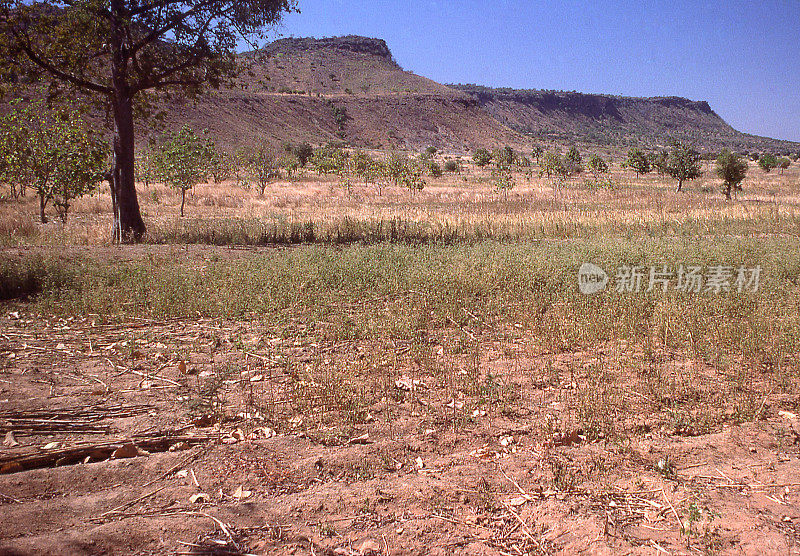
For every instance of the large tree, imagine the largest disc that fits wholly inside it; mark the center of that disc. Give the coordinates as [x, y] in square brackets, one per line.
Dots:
[124, 52]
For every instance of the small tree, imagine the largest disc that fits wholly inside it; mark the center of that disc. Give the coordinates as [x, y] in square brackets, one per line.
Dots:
[552, 165]
[683, 164]
[54, 152]
[573, 161]
[288, 161]
[329, 159]
[403, 172]
[597, 166]
[303, 152]
[638, 162]
[784, 163]
[504, 156]
[537, 153]
[732, 170]
[261, 165]
[481, 157]
[768, 161]
[183, 160]
[503, 179]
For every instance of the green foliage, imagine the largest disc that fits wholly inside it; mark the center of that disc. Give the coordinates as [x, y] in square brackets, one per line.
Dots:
[553, 165]
[433, 169]
[597, 166]
[768, 161]
[732, 170]
[573, 161]
[683, 163]
[784, 163]
[453, 166]
[638, 162]
[261, 165]
[404, 172]
[303, 152]
[658, 161]
[183, 160]
[481, 157]
[124, 53]
[329, 159]
[431, 150]
[503, 179]
[504, 157]
[537, 153]
[53, 151]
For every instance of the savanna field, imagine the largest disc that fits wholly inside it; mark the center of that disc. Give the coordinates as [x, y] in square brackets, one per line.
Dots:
[340, 367]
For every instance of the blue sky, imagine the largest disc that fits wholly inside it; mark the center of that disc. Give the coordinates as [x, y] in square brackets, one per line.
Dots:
[742, 57]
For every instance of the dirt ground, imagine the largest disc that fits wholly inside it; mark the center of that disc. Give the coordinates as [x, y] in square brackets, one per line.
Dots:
[119, 446]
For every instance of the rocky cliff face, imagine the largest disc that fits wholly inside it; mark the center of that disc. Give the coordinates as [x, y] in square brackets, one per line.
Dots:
[607, 119]
[349, 43]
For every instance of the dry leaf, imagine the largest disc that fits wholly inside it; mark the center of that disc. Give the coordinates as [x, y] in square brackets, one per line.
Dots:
[519, 500]
[51, 446]
[406, 383]
[10, 441]
[788, 415]
[420, 463]
[241, 494]
[182, 367]
[369, 548]
[199, 498]
[183, 473]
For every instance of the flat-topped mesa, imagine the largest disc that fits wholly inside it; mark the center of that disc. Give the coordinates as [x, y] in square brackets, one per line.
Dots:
[349, 43]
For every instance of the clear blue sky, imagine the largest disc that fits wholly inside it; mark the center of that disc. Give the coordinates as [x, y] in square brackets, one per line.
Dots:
[742, 57]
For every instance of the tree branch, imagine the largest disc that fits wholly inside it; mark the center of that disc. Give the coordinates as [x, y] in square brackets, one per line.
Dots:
[24, 44]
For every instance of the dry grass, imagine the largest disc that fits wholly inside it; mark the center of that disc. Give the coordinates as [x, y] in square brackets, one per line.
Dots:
[453, 208]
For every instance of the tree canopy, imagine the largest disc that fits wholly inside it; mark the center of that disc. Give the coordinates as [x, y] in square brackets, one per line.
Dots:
[123, 52]
[732, 170]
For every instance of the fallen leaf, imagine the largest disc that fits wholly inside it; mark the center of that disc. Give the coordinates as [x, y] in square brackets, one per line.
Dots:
[519, 500]
[182, 367]
[241, 494]
[406, 383]
[183, 473]
[199, 498]
[788, 415]
[10, 441]
[51, 446]
[420, 463]
[369, 548]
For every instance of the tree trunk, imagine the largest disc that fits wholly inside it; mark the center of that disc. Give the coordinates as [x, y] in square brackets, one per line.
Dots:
[183, 200]
[680, 184]
[42, 205]
[128, 223]
[728, 191]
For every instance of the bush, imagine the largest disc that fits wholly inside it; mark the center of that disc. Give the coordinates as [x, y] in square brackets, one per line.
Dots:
[481, 157]
[452, 166]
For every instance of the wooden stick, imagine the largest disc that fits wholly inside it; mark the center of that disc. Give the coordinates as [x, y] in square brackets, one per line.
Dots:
[675, 513]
